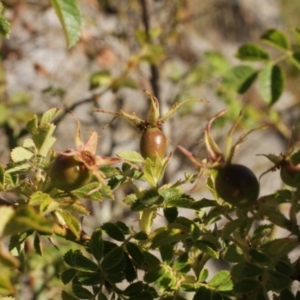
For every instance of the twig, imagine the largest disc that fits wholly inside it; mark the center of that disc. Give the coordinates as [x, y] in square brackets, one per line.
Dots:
[154, 70]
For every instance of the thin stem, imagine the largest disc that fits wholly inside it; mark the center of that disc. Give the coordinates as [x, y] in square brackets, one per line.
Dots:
[154, 79]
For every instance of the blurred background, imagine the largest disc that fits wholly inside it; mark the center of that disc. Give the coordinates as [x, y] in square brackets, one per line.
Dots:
[178, 50]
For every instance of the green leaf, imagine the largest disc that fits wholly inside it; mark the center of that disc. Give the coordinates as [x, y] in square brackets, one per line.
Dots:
[94, 192]
[181, 261]
[6, 213]
[151, 260]
[101, 78]
[83, 263]
[221, 282]
[276, 39]
[144, 295]
[123, 227]
[113, 231]
[154, 170]
[81, 292]
[131, 156]
[108, 246]
[68, 275]
[247, 286]
[130, 271]
[41, 135]
[295, 59]
[123, 81]
[203, 246]
[271, 83]
[25, 218]
[72, 223]
[170, 213]
[183, 224]
[296, 31]
[278, 281]
[96, 244]
[167, 280]
[252, 52]
[67, 296]
[218, 64]
[155, 274]
[245, 270]
[69, 15]
[20, 154]
[167, 237]
[136, 254]
[89, 278]
[271, 212]
[46, 203]
[166, 253]
[203, 293]
[116, 278]
[259, 256]
[262, 231]
[112, 258]
[230, 227]
[69, 258]
[284, 267]
[148, 199]
[134, 289]
[118, 268]
[239, 78]
[203, 275]
[6, 287]
[37, 245]
[233, 254]
[141, 236]
[50, 115]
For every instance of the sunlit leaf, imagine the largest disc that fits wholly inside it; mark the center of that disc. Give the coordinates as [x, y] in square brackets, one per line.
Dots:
[101, 78]
[131, 156]
[25, 218]
[276, 38]
[252, 52]
[20, 153]
[69, 15]
[221, 281]
[71, 222]
[271, 83]
[239, 79]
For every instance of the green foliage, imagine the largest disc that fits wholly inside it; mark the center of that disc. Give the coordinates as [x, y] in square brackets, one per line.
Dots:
[148, 260]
